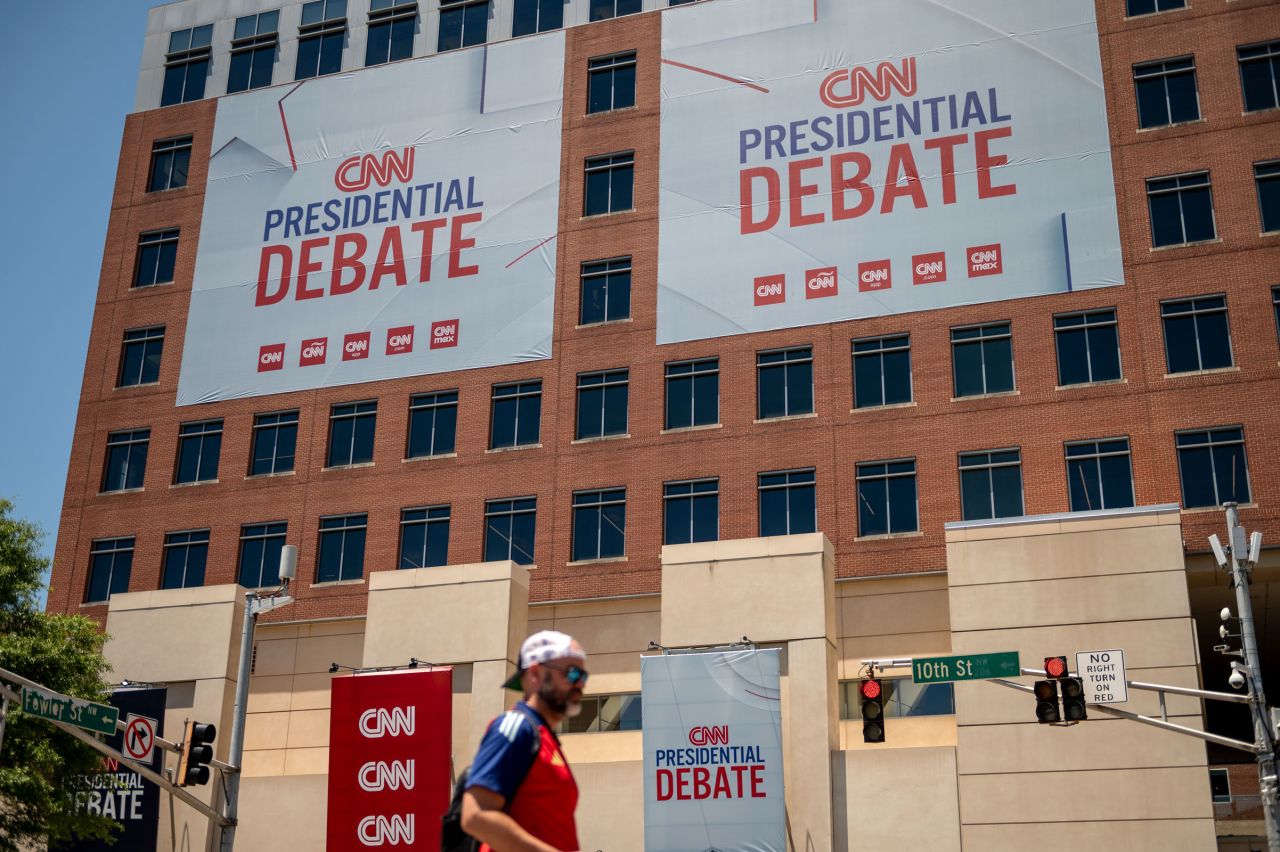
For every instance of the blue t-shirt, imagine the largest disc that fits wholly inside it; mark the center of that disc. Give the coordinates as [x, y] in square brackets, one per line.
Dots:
[507, 751]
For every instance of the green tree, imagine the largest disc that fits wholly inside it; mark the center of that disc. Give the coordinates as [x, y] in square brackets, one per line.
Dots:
[41, 766]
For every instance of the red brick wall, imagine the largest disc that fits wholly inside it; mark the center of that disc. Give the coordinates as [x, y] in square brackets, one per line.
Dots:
[1147, 406]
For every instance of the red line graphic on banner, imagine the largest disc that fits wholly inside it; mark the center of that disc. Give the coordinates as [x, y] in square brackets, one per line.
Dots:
[716, 74]
[293, 161]
[531, 251]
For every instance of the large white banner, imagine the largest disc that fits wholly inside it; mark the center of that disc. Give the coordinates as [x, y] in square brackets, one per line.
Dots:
[713, 752]
[389, 223]
[826, 160]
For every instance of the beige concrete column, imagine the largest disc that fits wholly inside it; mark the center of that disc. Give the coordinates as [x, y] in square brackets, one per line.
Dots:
[772, 590]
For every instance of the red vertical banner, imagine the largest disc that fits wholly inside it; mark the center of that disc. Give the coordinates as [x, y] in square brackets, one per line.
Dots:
[390, 738]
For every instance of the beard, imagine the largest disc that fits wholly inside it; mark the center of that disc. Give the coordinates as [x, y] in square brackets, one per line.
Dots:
[568, 703]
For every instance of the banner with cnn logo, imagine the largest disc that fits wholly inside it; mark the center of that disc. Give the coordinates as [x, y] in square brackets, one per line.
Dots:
[390, 739]
[713, 752]
[826, 160]
[395, 222]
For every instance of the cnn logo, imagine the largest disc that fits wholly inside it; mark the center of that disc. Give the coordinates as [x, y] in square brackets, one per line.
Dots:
[770, 289]
[444, 334]
[400, 340]
[821, 282]
[355, 346]
[985, 260]
[874, 275]
[378, 775]
[313, 351]
[379, 830]
[703, 735]
[377, 722]
[929, 268]
[271, 358]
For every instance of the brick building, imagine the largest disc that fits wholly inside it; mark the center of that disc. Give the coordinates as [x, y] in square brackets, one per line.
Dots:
[1179, 375]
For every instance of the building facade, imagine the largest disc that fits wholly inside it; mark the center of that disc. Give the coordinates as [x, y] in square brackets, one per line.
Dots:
[592, 466]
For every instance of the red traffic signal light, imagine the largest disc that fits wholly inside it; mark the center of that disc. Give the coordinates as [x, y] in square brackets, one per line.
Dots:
[872, 693]
[1055, 666]
[870, 689]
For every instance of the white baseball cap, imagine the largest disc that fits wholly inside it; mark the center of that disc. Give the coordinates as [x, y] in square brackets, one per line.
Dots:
[543, 647]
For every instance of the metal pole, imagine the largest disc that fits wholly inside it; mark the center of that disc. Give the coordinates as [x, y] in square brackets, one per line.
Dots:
[4, 713]
[236, 753]
[1257, 700]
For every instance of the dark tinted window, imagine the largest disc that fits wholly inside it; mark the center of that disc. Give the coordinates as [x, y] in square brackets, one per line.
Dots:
[602, 404]
[275, 441]
[691, 511]
[321, 38]
[253, 51]
[1267, 178]
[1166, 92]
[887, 497]
[110, 561]
[606, 290]
[788, 503]
[537, 16]
[611, 82]
[463, 23]
[982, 358]
[517, 408]
[260, 546]
[881, 371]
[170, 159]
[433, 424]
[126, 460]
[140, 356]
[1146, 7]
[1212, 466]
[199, 446]
[602, 9]
[186, 65]
[424, 537]
[1099, 474]
[991, 484]
[784, 383]
[1088, 347]
[693, 393]
[341, 548]
[1181, 210]
[609, 182]
[1260, 75]
[157, 253]
[509, 527]
[599, 524]
[1196, 336]
[351, 433]
[185, 556]
[392, 24]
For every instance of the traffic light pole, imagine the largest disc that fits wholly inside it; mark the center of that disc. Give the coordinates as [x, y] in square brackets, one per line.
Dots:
[1240, 571]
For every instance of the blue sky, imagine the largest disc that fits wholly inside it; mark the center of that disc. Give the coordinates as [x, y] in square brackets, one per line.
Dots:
[64, 99]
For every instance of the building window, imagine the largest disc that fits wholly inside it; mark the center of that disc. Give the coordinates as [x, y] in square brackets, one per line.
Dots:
[320, 38]
[602, 9]
[253, 51]
[1166, 92]
[1275, 305]
[391, 27]
[1088, 345]
[691, 511]
[1147, 7]
[788, 503]
[517, 408]
[611, 82]
[186, 65]
[680, 2]
[351, 429]
[424, 537]
[185, 555]
[1181, 209]
[1220, 786]
[1260, 75]
[1213, 468]
[126, 460]
[260, 546]
[509, 527]
[609, 180]
[110, 560]
[341, 548]
[599, 524]
[784, 383]
[433, 424]
[606, 291]
[199, 445]
[463, 23]
[982, 358]
[693, 393]
[1267, 177]
[275, 441]
[537, 16]
[140, 357]
[887, 501]
[881, 371]
[604, 713]
[157, 253]
[1099, 474]
[602, 404]
[1196, 335]
[991, 484]
[902, 697]
[170, 159]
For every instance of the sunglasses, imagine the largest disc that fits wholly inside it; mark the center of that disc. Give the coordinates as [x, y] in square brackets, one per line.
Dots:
[576, 675]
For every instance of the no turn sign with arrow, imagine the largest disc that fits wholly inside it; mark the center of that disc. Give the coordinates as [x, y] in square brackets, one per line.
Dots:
[139, 737]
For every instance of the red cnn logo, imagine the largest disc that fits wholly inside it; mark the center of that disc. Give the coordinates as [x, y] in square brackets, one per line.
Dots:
[271, 358]
[849, 87]
[313, 351]
[444, 334]
[821, 282]
[355, 346]
[929, 268]
[703, 735]
[874, 275]
[356, 173]
[985, 260]
[770, 289]
[400, 340]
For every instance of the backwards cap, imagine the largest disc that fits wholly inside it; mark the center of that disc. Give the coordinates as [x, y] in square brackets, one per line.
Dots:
[542, 647]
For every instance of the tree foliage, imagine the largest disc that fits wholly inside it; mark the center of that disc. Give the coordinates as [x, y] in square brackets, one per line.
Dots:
[41, 766]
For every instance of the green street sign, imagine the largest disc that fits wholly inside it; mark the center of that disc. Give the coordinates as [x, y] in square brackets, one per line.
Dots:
[100, 718]
[965, 667]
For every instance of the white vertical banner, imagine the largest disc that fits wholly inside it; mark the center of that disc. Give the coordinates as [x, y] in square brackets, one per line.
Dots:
[713, 752]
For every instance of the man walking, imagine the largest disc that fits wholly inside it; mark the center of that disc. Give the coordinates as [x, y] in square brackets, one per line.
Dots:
[520, 794]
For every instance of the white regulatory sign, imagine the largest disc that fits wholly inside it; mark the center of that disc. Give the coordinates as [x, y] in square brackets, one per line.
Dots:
[1103, 675]
[139, 737]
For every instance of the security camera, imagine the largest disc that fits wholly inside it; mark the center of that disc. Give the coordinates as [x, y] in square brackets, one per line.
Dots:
[1219, 554]
[288, 562]
[1237, 679]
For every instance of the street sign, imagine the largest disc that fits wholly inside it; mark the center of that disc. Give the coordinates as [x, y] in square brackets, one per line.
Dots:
[71, 711]
[1103, 676]
[965, 667]
[139, 737]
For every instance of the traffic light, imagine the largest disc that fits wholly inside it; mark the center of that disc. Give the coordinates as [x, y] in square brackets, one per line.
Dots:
[1055, 667]
[1073, 709]
[197, 751]
[1047, 711]
[871, 691]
